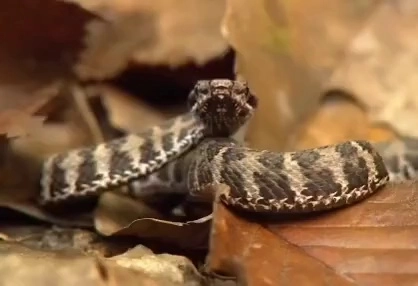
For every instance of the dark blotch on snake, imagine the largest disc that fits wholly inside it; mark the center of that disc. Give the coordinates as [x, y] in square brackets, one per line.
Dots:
[199, 172]
[212, 148]
[167, 141]
[120, 161]
[320, 182]
[277, 180]
[147, 151]
[377, 159]
[59, 182]
[319, 177]
[235, 180]
[306, 159]
[273, 189]
[87, 171]
[233, 155]
[200, 176]
[354, 166]
[347, 151]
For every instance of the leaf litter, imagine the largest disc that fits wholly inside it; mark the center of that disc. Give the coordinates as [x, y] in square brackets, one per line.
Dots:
[304, 50]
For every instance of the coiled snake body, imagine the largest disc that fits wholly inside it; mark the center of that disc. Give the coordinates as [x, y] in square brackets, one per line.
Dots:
[196, 150]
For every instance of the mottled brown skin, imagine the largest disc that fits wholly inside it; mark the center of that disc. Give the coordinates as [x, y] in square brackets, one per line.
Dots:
[292, 182]
[195, 150]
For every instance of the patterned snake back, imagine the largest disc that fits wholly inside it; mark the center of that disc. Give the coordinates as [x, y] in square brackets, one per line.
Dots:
[314, 179]
[196, 150]
[86, 172]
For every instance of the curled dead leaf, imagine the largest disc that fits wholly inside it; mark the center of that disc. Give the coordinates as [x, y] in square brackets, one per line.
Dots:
[121, 216]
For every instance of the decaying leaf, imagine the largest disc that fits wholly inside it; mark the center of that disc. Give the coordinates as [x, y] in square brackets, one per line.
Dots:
[30, 208]
[129, 113]
[23, 154]
[121, 216]
[150, 33]
[36, 57]
[298, 44]
[173, 268]
[379, 67]
[291, 53]
[327, 126]
[367, 243]
[36, 52]
[21, 265]
[72, 240]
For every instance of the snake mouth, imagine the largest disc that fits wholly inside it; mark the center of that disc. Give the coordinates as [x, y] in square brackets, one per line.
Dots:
[231, 114]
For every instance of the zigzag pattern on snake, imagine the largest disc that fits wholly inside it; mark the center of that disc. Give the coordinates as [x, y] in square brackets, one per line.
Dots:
[195, 150]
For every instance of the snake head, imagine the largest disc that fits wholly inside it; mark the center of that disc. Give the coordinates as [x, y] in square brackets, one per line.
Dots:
[223, 105]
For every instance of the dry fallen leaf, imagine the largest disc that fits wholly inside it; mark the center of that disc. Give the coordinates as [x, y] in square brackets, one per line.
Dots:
[173, 268]
[302, 50]
[36, 55]
[327, 126]
[21, 265]
[32, 142]
[149, 33]
[121, 216]
[370, 243]
[290, 69]
[129, 113]
[65, 239]
[379, 67]
[286, 65]
[36, 58]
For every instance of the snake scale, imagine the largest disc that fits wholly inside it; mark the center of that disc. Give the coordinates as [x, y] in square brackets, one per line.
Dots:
[197, 149]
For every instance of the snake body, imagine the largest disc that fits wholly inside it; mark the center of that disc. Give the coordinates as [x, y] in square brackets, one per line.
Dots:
[86, 172]
[196, 150]
[315, 179]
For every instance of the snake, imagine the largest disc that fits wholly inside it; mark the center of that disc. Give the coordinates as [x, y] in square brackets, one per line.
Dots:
[201, 148]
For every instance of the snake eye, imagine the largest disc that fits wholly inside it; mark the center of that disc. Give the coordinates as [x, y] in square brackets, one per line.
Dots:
[252, 100]
[239, 89]
[204, 90]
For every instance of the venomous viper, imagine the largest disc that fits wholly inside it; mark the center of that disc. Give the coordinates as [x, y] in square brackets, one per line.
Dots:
[197, 149]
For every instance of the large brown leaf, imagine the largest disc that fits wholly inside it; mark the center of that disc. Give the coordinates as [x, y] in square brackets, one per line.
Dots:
[150, 32]
[287, 50]
[370, 243]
